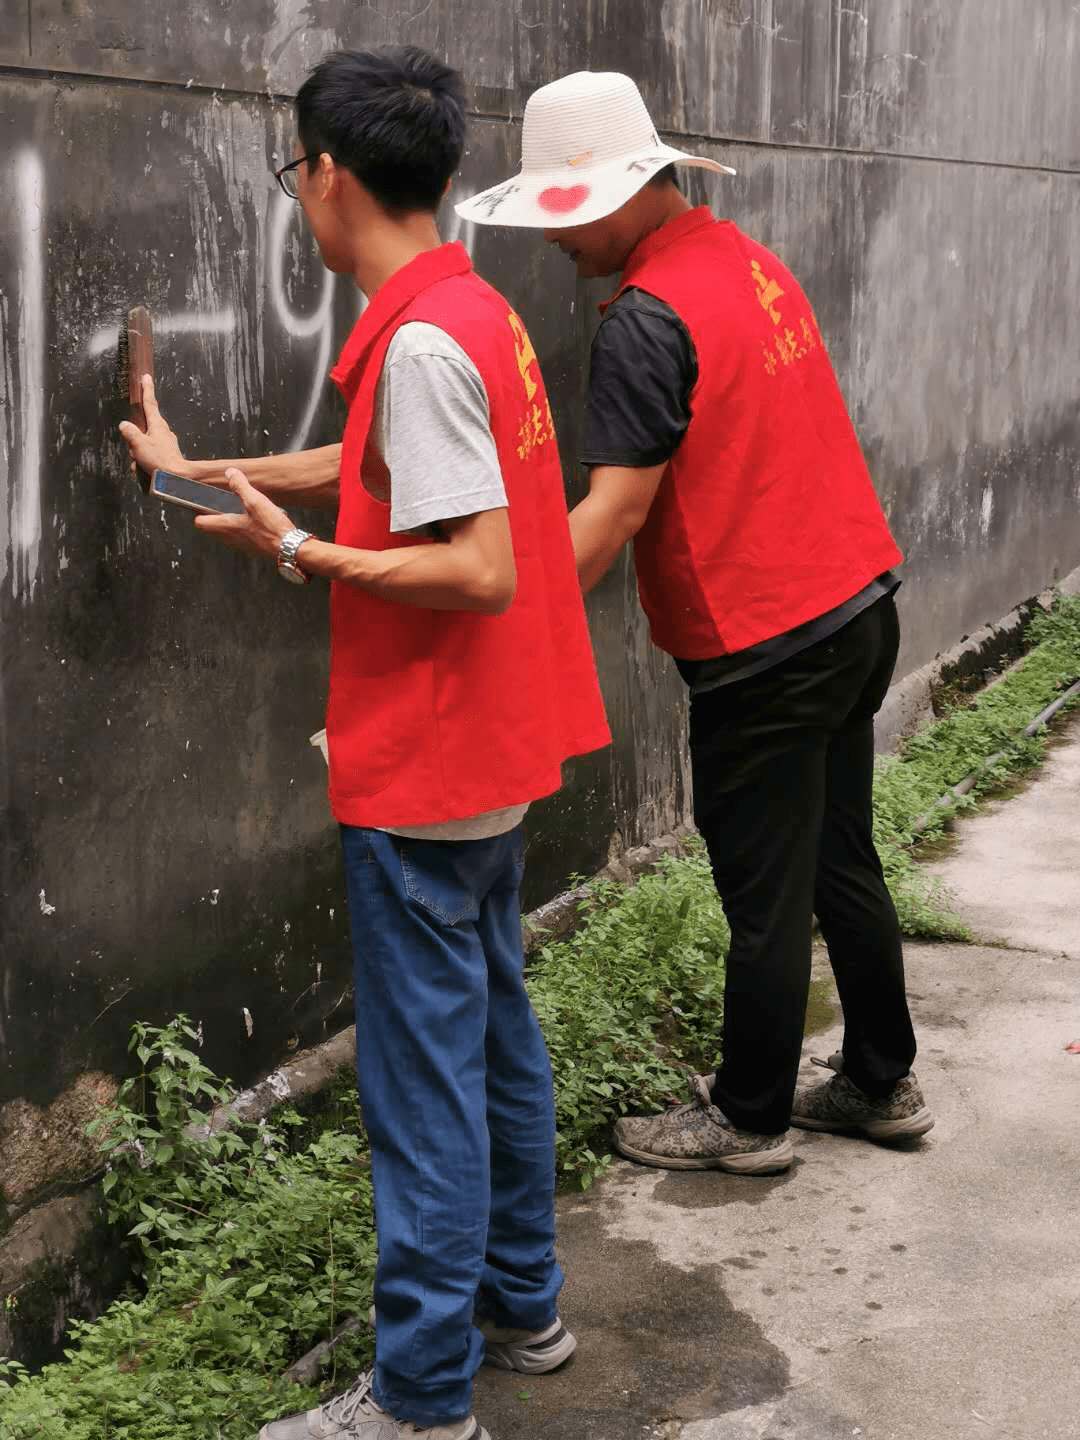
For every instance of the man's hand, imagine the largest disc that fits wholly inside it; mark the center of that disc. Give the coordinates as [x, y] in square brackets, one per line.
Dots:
[156, 448]
[259, 531]
[306, 477]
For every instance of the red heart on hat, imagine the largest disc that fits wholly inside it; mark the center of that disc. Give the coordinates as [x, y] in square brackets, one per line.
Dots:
[560, 201]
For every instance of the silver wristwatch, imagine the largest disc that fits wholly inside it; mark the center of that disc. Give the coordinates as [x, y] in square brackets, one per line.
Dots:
[288, 569]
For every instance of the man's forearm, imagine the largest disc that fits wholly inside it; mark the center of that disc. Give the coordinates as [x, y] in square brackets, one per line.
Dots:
[303, 477]
[598, 534]
[612, 513]
[477, 576]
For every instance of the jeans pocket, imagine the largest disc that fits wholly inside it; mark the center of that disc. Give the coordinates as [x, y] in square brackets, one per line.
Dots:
[435, 873]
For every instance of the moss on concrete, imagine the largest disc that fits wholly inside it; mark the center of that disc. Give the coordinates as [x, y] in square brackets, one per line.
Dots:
[47, 1148]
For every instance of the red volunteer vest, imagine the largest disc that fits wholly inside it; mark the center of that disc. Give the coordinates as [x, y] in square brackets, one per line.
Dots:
[435, 715]
[766, 516]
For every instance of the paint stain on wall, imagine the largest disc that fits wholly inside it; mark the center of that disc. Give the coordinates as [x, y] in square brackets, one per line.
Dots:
[24, 384]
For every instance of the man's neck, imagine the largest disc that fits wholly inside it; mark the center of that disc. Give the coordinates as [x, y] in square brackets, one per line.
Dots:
[666, 204]
[657, 205]
[389, 245]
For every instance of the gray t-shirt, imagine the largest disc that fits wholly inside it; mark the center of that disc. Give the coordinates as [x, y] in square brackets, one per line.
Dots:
[430, 402]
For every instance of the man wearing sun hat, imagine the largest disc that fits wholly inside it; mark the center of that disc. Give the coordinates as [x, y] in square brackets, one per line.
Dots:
[716, 438]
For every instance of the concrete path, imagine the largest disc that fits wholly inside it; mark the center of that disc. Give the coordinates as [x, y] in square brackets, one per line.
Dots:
[928, 1293]
[1016, 870]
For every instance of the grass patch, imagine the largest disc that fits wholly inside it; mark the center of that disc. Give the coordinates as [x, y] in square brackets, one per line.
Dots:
[255, 1243]
[628, 1000]
[909, 785]
[251, 1252]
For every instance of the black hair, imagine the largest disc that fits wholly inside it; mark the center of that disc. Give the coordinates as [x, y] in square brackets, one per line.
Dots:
[667, 176]
[395, 118]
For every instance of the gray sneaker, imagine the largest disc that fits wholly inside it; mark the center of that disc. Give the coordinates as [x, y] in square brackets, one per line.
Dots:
[532, 1352]
[841, 1107]
[698, 1136]
[356, 1415]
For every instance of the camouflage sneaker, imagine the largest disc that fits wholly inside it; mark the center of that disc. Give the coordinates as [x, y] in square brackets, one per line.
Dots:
[356, 1415]
[698, 1136]
[531, 1352]
[841, 1107]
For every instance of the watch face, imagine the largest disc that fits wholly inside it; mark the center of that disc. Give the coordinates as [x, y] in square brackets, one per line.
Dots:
[291, 572]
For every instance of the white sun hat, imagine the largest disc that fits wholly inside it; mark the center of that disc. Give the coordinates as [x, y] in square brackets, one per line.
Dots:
[587, 146]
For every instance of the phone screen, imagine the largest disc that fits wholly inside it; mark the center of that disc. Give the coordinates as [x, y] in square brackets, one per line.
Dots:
[193, 494]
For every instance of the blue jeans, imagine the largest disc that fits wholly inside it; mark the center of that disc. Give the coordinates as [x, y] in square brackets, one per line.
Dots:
[458, 1101]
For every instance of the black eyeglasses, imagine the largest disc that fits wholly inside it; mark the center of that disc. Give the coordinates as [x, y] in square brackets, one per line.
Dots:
[286, 176]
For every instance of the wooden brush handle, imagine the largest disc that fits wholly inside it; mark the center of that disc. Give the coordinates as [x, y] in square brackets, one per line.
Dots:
[140, 332]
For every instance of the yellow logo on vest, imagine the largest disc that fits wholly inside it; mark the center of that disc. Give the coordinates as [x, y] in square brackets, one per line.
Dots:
[768, 292]
[537, 428]
[526, 355]
[790, 347]
[789, 344]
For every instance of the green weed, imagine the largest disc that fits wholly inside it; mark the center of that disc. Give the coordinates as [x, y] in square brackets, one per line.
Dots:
[251, 1254]
[637, 988]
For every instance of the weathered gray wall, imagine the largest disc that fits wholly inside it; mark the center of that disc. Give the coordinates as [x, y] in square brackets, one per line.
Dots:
[166, 842]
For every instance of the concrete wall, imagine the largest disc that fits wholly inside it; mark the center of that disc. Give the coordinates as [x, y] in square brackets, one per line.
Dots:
[166, 841]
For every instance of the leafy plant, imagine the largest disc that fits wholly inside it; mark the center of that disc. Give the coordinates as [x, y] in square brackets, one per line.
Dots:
[251, 1253]
[635, 990]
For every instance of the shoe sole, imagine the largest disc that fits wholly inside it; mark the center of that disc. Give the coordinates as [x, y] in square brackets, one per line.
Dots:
[505, 1355]
[761, 1162]
[906, 1128]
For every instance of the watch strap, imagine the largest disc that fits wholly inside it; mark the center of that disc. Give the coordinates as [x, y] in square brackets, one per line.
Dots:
[290, 544]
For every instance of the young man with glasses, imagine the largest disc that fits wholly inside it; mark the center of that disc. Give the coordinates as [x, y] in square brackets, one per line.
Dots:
[717, 439]
[461, 677]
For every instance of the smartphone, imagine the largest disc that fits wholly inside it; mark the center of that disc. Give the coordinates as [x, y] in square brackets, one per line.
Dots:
[193, 494]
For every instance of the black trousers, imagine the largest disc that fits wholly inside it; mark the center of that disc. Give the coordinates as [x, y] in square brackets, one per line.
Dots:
[783, 775]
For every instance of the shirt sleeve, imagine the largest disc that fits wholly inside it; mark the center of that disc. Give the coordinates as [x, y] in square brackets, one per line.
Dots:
[436, 438]
[641, 372]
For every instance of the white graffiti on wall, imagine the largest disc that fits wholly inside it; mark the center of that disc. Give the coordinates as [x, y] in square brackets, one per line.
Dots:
[300, 327]
[25, 386]
[23, 348]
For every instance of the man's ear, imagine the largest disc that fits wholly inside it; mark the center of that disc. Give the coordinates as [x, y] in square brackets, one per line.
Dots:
[327, 175]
